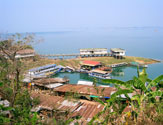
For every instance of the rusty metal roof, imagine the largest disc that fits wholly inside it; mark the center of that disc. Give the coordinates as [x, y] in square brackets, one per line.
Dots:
[47, 101]
[88, 109]
[26, 51]
[85, 109]
[85, 89]
[46, 81]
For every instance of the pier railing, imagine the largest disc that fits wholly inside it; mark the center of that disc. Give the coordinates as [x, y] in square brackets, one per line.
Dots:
[73, 55]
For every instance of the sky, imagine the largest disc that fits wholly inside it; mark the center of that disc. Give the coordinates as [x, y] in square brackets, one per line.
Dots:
[50, 15]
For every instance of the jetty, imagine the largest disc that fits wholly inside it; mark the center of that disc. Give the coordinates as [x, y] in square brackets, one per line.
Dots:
[74, 55]
[118, 53]
[86, 52]
[118, 65]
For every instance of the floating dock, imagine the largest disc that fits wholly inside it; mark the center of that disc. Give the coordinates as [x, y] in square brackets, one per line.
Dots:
[138, 65]
[118, 65]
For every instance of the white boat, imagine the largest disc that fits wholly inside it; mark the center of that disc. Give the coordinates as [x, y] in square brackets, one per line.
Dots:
[42, 69]
[100, 74]
[45, 70]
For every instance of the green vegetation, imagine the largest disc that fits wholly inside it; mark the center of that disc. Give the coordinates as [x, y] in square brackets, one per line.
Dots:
[75, 63]
[145, 106]
[11, 89]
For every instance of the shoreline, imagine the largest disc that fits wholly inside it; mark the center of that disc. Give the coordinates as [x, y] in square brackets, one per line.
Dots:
[75, 62]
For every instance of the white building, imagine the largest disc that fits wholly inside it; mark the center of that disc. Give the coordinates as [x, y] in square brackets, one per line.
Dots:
[118, 52]
[94, 52]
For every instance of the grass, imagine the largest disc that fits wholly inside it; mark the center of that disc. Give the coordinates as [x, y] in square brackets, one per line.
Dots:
[75, 63]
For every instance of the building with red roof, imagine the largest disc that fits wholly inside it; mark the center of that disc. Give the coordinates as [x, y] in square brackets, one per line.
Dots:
[89, 64]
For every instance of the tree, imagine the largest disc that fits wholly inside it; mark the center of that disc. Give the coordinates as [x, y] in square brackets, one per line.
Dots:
[10, 78]
[10, 63]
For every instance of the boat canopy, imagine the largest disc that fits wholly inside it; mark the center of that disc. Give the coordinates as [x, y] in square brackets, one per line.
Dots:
[99, 71]
[42, 67]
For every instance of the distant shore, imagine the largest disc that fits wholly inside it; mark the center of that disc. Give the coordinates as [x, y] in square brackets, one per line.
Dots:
[75, 63]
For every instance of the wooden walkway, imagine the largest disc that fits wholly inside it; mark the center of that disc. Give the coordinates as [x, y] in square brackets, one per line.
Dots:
[72, 55]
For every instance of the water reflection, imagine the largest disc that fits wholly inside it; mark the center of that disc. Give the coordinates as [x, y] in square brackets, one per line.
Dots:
[75, 77]
[121, 73]
[118, 71]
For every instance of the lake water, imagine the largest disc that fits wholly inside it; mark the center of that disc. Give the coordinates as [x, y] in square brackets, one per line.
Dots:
[142, 42]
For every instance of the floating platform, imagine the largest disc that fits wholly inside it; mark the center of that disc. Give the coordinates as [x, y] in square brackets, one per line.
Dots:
[138, 65]
[118, 65]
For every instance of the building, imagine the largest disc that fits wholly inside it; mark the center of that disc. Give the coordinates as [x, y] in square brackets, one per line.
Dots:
[118, 53]
[88, 64]
[49, 83]
[69, 108]
[92, 52]
[25, 53]
[85, 91]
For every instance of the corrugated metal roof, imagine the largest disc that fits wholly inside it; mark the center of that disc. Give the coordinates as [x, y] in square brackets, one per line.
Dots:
[88, 109]
[47, 101]
[85, 109]
[45, 81]
[25, 51]
[85, 89]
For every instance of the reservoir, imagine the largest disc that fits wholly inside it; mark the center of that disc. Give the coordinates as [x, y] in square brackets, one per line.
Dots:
[142, 42]
[121, 73]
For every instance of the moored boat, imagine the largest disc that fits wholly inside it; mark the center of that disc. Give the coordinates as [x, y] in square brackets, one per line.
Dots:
[100, 74]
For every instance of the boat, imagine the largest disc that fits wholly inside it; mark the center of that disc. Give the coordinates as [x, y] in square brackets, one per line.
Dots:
[44, 71]
[69, 69]
[99, 74]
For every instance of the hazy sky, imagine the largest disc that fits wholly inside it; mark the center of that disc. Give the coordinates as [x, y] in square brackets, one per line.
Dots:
[49, 15]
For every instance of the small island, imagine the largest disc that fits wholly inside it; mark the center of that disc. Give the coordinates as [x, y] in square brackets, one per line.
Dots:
[116, 56]
[75, 63]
